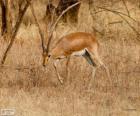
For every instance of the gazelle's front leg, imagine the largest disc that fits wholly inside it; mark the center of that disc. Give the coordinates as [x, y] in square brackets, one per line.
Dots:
[68, 70]
[58, 75]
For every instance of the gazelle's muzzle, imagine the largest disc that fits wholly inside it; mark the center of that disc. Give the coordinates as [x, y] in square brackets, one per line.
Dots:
[45, 59]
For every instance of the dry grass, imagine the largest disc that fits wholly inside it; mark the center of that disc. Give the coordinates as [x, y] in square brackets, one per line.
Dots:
[35, 91]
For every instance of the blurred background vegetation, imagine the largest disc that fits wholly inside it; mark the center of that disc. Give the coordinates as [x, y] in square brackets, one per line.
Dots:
[34, 90]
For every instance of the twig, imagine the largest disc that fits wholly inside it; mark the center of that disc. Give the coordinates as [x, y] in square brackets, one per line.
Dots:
[101, 33]
[126, 7]
[130, 25]
[3, 18]
[20, 6]
[104, 9]
[16, 28]
[123, 19]
[56, 22]
[40, 32]
[52, 17]
[115, 22]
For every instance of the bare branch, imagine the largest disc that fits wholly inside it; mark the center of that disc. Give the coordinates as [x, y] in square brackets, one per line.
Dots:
[123, 19]
[40, 32]
[96, 30]
[52, 18]
[104, 9]
[126, 7]
[8, 17]
[115, 22]
[14, 33]
[70, 7]
[3, 17]
[133, 28]
[55, 24]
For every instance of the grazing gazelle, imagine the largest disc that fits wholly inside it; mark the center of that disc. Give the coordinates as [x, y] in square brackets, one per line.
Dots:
[77, 44]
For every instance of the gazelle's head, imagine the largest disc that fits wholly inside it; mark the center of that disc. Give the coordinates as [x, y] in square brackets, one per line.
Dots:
[55, 53]
[45, 58]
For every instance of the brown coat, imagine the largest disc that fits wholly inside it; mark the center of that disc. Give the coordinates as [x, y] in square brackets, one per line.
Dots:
[73, 42]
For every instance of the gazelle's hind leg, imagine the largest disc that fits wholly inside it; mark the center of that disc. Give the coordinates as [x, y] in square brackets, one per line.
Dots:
[94, 53]
[90, 60]
[58, 75]
[92, 78]
[104, 66]
[87, 56]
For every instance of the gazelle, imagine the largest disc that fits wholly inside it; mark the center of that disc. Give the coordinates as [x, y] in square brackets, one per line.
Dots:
[77, 44]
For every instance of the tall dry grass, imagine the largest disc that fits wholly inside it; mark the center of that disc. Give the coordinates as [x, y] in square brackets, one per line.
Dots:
[33, 90]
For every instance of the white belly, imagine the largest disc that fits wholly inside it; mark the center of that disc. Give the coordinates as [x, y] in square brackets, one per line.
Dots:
[79, 53]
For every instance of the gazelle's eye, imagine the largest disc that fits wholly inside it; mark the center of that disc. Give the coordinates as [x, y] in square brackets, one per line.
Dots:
[49, 56]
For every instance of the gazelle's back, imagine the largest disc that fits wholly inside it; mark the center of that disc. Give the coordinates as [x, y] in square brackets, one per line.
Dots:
[74, 42]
